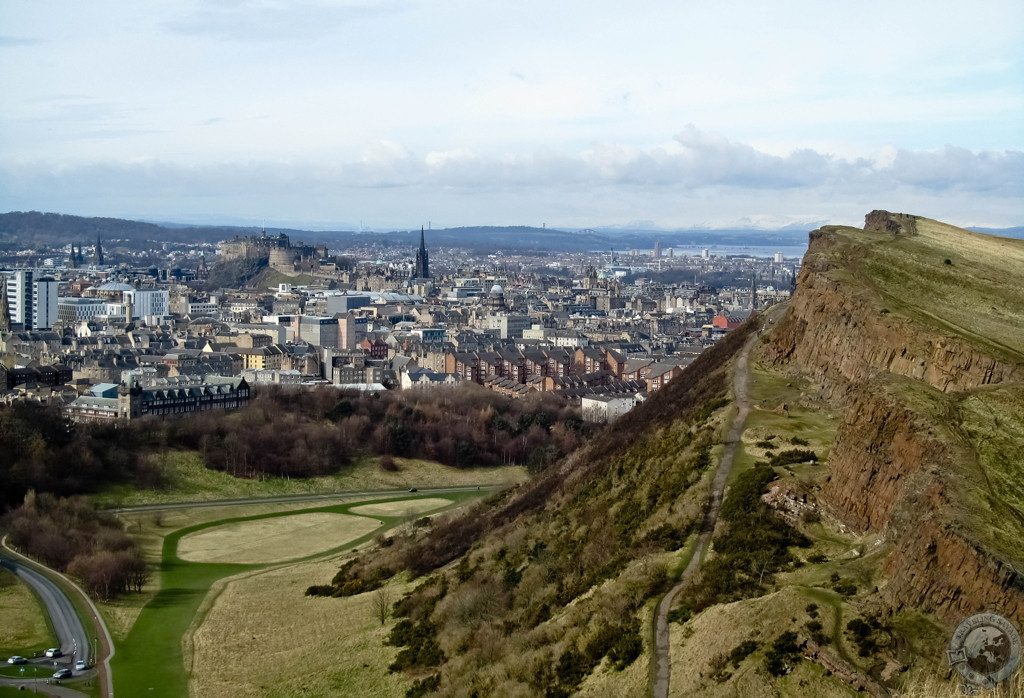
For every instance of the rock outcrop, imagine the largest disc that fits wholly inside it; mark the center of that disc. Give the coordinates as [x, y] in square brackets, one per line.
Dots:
[886, 470]
[893, 223]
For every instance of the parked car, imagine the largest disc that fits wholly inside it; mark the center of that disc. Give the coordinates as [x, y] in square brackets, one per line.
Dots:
[62, 674]
[17, 660]
[52, 652]
[81, 665]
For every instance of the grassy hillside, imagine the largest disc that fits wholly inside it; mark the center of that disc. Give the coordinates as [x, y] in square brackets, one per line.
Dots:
[189, 480]
[964, 283]
[550, 587]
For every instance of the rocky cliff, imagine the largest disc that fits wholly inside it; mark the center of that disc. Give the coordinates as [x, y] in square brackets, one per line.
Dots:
[899, 452]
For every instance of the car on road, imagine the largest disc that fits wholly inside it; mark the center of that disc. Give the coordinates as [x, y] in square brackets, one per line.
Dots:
[81, 665]
[413, 489]
[17, 660]
[63, 674]
[52, 652]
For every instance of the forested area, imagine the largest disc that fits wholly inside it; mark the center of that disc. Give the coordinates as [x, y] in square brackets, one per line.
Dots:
[68, 534]
[303, 433]
[287, 433]
[41, 450]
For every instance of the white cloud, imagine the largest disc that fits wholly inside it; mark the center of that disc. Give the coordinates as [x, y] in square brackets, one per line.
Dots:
[694, 178]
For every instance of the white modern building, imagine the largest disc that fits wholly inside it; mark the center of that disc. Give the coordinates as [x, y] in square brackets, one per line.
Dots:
[31, 299]
[148, 303]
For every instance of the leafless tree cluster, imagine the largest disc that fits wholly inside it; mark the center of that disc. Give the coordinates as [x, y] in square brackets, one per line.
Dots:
[69, 535]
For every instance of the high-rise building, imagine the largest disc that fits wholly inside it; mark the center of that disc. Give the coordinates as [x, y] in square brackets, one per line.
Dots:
[422, 268]
[44, 303]
[31, 302]
[778, 258]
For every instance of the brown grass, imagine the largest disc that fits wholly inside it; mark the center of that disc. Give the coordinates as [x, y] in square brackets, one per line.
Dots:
[932, 686]
[263, 637]
[275, 539]
[406, 507]
[721, 628]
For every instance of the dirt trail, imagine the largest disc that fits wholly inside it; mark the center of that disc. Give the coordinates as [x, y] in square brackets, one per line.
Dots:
[732, 442]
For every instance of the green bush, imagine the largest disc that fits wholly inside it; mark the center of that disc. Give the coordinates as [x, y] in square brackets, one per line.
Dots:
[782, 655]
[793, 455]
[742, 651]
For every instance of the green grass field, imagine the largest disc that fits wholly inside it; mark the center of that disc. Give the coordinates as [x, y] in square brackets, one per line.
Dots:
[150, 659]
[191, 481]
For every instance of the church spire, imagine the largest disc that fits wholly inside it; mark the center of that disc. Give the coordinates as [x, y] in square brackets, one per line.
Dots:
[99, 252]
[422, 268]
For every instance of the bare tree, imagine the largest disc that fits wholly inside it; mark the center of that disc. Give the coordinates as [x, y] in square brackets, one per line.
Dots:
[382, 604]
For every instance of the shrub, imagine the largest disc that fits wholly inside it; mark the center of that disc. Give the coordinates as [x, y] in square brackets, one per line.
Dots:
[797, 441]
[793, 455]
[388, 464]
[783, 653]
[742, 651]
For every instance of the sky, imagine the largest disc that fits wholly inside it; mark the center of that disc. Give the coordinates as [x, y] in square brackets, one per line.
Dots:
[575, 114]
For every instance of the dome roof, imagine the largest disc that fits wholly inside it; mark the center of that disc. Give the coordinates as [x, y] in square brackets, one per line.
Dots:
[115, 286]
[497, 290]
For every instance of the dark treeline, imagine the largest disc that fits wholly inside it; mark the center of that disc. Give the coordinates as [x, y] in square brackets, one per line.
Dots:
[71, 536]
[41, 450]
[288, 433]
[302, 433]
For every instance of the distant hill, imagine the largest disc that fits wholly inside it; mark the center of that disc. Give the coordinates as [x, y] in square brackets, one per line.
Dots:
[33, 228]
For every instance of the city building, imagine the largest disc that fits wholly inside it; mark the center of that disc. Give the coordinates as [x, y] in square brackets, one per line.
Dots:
[177, 397]
[31, 300]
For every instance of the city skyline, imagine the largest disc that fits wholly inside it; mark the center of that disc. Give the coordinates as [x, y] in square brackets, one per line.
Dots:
[335, 114]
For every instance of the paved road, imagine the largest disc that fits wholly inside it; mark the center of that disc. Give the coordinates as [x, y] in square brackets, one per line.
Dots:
[71, 633]
[661, 634]
[286, 498]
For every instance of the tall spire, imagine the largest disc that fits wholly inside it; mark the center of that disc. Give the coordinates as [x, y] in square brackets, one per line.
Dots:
[753, 290]
[421, 270]
[99, 252]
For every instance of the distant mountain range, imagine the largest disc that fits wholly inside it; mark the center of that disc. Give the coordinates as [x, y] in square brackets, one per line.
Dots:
[32, 228]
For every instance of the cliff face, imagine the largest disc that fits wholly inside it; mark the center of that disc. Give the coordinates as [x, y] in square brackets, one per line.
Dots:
[880, 446]
[838, 338]
[936, 568]
[892, 452]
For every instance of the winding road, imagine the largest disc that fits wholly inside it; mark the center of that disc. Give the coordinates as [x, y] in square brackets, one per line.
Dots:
[662, 659]
[72, 636]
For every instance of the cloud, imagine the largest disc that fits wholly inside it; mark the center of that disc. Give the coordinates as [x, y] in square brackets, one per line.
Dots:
[695, 177]
[693, 160]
